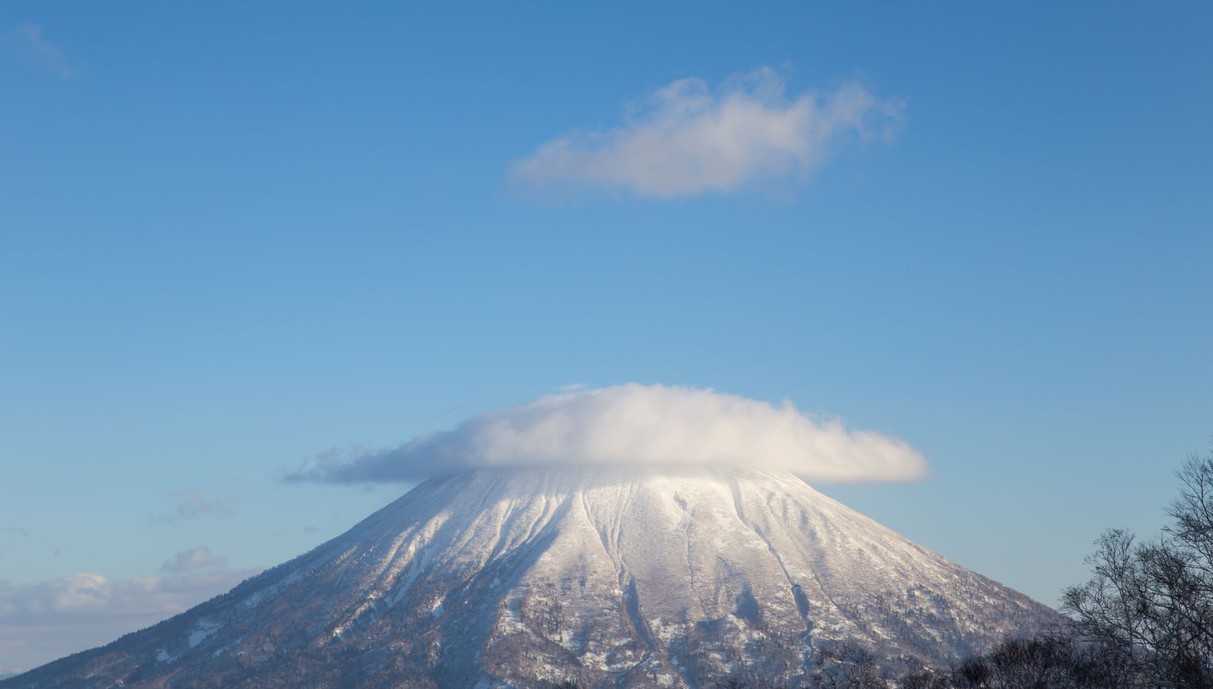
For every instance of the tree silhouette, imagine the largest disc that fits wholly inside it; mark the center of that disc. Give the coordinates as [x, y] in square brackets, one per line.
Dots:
[1149, 605]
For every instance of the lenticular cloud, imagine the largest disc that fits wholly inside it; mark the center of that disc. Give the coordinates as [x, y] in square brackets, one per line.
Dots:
[675, 427]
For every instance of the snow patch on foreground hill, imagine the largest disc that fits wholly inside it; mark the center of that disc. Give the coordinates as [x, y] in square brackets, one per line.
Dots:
[606, 577]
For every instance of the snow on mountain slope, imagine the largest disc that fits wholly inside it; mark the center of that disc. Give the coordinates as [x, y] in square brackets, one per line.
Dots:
[606, 577]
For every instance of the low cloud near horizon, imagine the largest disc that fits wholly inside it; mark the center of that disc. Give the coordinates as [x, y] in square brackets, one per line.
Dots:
[687, 139]
[650, 425]
[45, 620]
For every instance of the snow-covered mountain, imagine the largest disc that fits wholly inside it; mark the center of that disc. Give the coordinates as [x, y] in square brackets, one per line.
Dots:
[608, 578]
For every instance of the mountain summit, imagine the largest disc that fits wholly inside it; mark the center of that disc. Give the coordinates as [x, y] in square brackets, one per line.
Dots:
[530, 577]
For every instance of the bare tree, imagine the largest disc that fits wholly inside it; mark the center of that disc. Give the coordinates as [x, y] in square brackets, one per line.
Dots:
[1149, 605]
[848, 666]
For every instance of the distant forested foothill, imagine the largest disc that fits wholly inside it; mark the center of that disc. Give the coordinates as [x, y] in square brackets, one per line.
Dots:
[1144, 620]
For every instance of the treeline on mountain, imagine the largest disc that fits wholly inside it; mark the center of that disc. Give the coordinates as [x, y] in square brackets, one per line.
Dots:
[1143, 621]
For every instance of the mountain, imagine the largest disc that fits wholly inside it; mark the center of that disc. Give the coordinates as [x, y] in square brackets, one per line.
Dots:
[615, 578]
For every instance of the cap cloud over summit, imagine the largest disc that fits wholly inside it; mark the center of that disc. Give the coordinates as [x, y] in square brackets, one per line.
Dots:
[651, 425]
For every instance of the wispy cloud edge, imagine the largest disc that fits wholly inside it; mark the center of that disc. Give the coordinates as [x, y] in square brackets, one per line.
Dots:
[28, 40]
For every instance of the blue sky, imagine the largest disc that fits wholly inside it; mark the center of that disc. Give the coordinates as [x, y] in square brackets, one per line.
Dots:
[234, 237]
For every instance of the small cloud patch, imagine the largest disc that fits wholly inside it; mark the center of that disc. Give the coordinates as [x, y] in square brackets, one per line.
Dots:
[191, 504]
[193, 560]
[687, 139]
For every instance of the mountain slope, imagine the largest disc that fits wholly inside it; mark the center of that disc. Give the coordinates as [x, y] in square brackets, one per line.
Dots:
[609, 578]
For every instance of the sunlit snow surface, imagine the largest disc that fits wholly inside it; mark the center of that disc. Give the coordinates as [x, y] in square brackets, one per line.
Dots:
[506, 578]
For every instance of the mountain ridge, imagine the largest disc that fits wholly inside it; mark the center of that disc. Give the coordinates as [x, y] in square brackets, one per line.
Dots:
[636, 577]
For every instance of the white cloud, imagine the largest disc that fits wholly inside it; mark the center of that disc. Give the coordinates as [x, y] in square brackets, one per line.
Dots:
[636, 425]
[42, 621]
[193, 560]
[687, 140]
[29, 41]
[88, 596]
